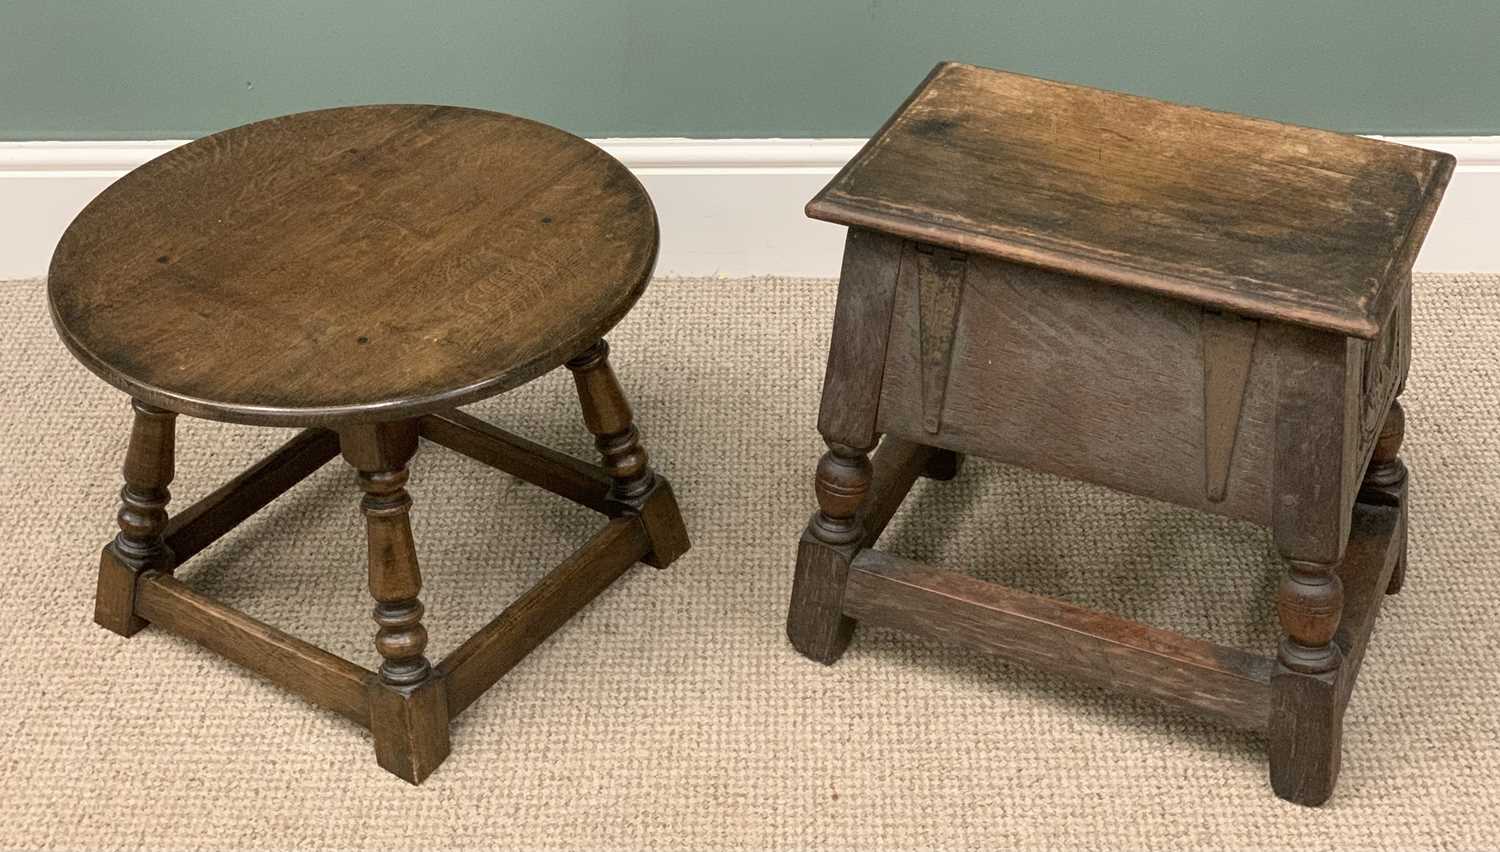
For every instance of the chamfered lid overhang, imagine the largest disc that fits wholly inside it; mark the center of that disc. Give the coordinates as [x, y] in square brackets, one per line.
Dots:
[1241, 214]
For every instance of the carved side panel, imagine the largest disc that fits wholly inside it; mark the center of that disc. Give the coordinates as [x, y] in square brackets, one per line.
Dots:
[940, 286]
[1228, 352]
[1103, 384]
[1381, 365]
[1386, 359]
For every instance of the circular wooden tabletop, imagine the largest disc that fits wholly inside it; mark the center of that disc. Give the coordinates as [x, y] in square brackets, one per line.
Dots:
[362, 263]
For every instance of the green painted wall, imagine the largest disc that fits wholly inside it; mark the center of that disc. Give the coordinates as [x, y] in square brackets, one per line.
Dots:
[135, 69]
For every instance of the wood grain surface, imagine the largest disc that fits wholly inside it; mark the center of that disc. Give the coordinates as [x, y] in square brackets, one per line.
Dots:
[1053, 373]
[1248, 215]
[361, 263]
[1223, 683]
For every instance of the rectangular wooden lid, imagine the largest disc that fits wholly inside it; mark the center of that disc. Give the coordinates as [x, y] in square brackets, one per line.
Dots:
[1243, 214]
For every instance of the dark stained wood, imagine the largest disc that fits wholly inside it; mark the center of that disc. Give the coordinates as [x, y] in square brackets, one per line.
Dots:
[1228, 353]
[1309, 604]
[1224, 683]
[897, 464]
[1307, 710]
[478, 663]
[815, 622]
[207, 520]
[662, 521]
[1049, 372]
[407, 704]
[1305, 744]
[940, 287]
[1242, 214]
[410, 725]
[1383, 364]
[115, 596]
[408, 700]
[1316, 435]
[1377, 545]
[607, 415]
[841, 483]
[1191, 306]
[139, 546]
[362, 271]
[473, 249]
[943, 465]
[380, 452]
[542, 466]
[292, 664]
[1385, 482]
[634, 486]
[861, 322]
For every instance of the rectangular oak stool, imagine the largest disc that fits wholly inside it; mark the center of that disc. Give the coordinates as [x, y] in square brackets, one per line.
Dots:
[1193, 306]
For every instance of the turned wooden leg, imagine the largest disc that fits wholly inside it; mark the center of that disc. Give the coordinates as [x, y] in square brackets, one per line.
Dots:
[408, 700]
[142, 517]
[1385, 482]
[609, 420]
[607, 415]
[1307, 711]
[815, 622]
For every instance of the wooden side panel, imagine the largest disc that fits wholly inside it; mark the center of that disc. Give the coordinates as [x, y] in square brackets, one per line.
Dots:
[1228, 352]
[1382, 366]
[856, 355]
[1096, 383]
[940, 286]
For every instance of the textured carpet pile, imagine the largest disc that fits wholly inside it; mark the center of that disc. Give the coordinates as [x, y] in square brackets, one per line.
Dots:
[672, 712]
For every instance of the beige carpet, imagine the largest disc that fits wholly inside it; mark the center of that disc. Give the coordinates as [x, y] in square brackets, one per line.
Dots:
[673, 713]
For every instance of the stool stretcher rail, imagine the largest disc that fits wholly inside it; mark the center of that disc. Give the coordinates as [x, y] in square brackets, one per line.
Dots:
[324, 679]
[896, 465]
[1224, 683]
[1227, 684]
[647, 529]
[480, 662]
[542, 466]
[207, 520]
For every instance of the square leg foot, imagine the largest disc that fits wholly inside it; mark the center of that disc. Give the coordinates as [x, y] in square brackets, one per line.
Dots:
[815, 620]
[1398, 576]
[410, 725]
[943, 465]
[114, 598]
[1307, 724]
[663, 522]
[1398, 571]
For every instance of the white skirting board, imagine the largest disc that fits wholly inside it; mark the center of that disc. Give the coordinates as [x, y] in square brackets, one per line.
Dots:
[728, 207]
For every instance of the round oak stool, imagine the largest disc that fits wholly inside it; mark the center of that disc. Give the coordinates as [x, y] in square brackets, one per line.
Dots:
[360, 272]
